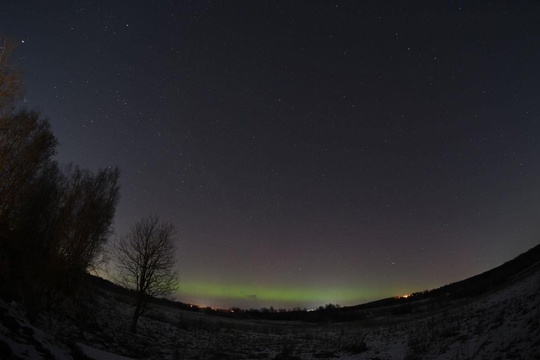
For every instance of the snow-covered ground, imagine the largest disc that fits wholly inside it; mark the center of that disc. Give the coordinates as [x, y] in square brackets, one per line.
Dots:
[94, 353]
[21, 340]
[501, 325]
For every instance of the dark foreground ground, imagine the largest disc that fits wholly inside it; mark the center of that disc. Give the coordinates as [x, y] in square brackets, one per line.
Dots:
[499, 324]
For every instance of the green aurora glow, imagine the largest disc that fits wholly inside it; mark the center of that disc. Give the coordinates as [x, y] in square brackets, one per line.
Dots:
[274, 296]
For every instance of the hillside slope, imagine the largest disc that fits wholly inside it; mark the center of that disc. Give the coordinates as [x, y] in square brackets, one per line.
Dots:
[500, 323]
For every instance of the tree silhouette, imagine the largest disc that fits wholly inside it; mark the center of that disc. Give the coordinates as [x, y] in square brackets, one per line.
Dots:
[145, 260]
[26, 147]
[10, 78]
[86, 209]
[53, 222]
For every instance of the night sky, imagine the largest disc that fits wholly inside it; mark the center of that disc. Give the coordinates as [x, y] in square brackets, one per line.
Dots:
[308, 152]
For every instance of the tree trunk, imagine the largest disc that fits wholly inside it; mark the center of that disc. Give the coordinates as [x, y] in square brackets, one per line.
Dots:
[133, 326]
[140, 304]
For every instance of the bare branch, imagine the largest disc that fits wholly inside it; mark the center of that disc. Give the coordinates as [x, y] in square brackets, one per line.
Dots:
[145, 259]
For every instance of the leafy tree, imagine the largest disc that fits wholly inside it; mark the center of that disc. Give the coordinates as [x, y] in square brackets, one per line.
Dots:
[145, 261]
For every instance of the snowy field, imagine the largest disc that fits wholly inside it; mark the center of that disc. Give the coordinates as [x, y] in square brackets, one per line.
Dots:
[501, 325]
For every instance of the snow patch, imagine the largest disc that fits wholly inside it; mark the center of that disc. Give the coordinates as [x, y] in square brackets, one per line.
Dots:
[97, 354]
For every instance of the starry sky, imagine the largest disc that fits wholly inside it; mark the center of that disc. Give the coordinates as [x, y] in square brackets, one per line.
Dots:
[308, 152]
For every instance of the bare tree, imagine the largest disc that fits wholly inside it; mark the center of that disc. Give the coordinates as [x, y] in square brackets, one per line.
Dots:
[85, 216]
[10, 77]
[145, 261]
[53, 223]
[26, 146]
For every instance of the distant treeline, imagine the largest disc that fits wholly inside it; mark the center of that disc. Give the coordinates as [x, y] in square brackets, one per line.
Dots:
[417, 302]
